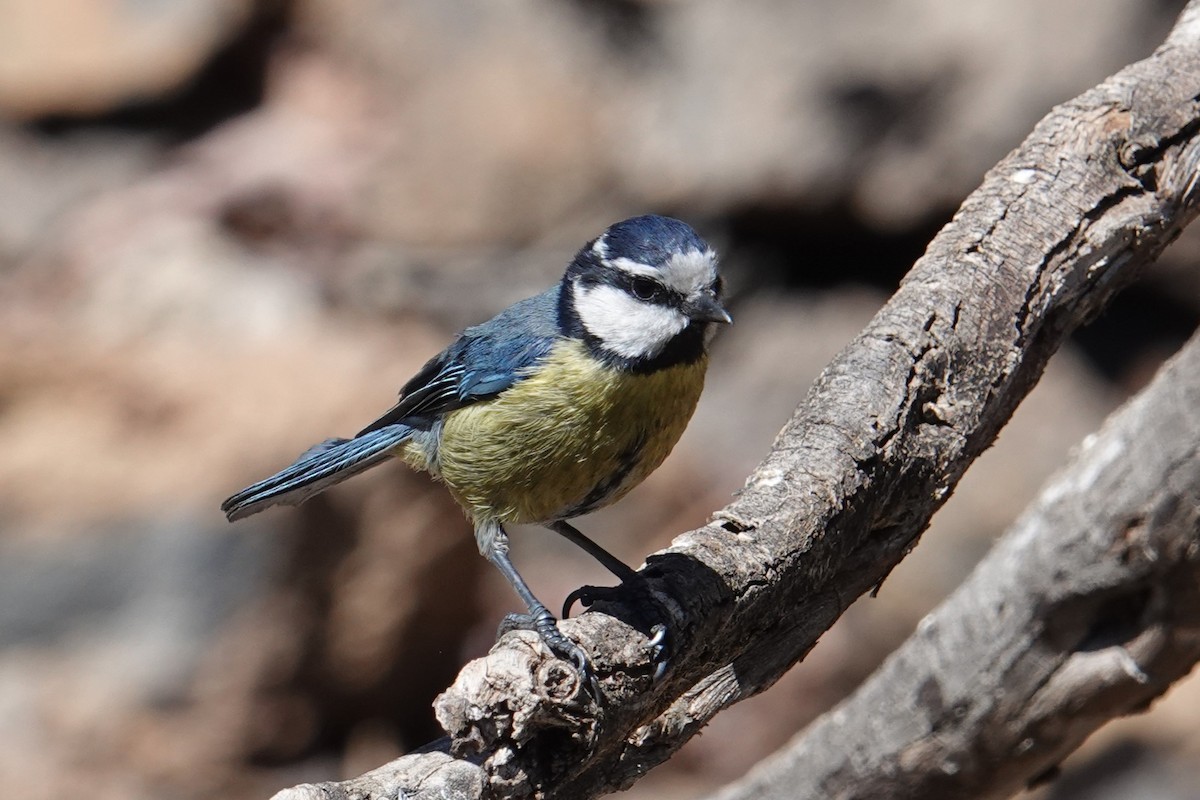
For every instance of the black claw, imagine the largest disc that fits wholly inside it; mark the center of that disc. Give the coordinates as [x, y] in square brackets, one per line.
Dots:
[659, 634]
[583, 595]
[659, 651]
[587, 595]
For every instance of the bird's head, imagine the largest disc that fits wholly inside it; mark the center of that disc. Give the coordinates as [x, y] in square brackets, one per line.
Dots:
[641, 285]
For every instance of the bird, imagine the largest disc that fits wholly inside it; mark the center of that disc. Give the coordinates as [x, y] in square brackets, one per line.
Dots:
[557, 406]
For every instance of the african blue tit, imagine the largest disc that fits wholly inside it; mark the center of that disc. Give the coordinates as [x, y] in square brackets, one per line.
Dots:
[556, 407]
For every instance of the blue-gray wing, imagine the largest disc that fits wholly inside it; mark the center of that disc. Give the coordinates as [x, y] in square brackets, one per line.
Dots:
[481, 363]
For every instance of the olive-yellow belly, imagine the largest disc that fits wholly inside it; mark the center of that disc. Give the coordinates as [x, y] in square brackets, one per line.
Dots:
[573, 437]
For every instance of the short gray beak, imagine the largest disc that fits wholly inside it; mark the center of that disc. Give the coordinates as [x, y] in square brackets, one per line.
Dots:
[706, 308]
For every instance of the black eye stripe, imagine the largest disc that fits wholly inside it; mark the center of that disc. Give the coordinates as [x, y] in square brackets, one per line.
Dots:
[647, 289]
[627, 282]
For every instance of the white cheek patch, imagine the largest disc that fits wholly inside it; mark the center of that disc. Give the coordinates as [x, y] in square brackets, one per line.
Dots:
[686, 273]
[628, 327]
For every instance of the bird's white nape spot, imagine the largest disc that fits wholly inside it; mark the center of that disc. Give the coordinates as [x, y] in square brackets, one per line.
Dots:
[687, 273]
[623, 324]
[600, 247]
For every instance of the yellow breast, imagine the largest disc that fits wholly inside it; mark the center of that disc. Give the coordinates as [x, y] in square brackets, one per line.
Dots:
[573, 436]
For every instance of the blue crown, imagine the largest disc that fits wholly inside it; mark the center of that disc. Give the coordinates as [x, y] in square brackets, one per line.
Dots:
[651, 239]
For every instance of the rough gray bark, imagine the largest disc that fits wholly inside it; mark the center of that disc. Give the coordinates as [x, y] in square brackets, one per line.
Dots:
[1102, 184]
[1087, 609]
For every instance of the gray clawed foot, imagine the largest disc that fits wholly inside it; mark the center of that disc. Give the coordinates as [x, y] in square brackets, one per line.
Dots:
[546, 626]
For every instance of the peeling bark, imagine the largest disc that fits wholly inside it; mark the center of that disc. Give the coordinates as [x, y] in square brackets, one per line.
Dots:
[1098, 189]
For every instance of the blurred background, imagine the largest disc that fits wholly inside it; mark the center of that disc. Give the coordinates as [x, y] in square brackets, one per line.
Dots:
[232, 228]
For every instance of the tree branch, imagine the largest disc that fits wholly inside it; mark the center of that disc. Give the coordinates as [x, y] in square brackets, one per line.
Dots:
[1087, 609]
[1102, 184]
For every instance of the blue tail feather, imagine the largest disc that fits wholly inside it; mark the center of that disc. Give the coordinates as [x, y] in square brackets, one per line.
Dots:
[321, 466]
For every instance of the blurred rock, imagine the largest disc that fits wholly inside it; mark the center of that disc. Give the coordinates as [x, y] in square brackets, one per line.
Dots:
[43, 182]
[213, 239]
[895, 110]
[492, 114]
[135, 610]
[366, 624]
[65, 57]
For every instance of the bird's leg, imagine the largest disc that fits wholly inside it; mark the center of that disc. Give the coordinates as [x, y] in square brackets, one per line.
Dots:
[493, 543]
[610, 562]
[586, 595]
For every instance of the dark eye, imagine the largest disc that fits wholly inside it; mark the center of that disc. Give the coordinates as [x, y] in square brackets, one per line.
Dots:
[644, 288]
